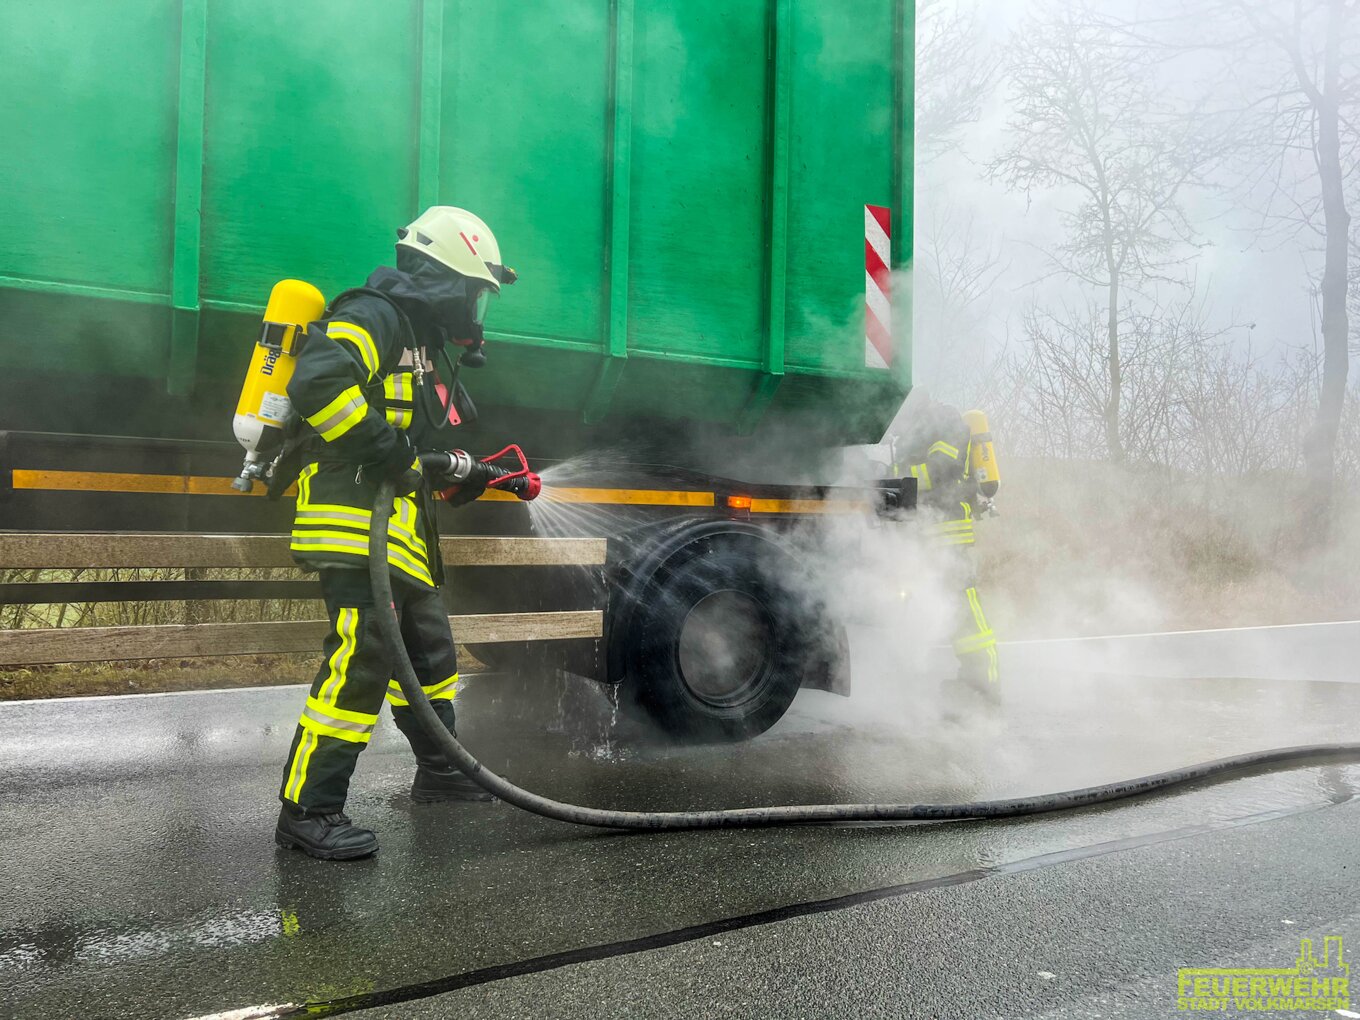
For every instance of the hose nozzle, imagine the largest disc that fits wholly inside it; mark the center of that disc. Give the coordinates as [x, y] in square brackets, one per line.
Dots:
[461, 468]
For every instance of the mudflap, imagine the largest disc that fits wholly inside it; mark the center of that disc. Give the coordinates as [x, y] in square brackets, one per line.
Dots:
[828, 667]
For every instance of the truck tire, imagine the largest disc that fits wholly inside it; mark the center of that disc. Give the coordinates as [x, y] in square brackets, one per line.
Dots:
[714, 650]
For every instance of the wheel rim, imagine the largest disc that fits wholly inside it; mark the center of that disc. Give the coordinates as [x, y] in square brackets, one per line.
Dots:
[725, 647]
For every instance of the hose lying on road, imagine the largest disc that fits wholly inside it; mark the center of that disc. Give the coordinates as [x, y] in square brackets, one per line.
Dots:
[1256, 761]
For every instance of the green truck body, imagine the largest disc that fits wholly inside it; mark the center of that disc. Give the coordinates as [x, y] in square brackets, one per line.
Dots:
[681, 186]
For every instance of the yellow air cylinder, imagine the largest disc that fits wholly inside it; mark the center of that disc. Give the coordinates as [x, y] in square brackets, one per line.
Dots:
[264, 405]
[982, 455]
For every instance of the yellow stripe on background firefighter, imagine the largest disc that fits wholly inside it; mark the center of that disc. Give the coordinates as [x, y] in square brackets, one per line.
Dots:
[952, 458]
[362, 384]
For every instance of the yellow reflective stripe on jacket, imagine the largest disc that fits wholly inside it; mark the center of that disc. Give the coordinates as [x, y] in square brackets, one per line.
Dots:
[921, 472]
[948, 449]
[360, 338]
[445, 690]
[340, 415]
[323, 541]
[342, 516]
[404, 561]
[313, 519]
[328, 541]
[958, 531]
[403, 524]
[398, 395]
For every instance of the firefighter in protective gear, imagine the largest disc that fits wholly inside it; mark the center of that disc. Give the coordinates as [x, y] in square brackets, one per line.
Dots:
[934, 447]
[366, 388]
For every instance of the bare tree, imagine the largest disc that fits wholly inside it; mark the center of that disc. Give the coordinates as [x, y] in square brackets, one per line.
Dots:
[1290, 75]
[1174, 365]
[955, 72]
[958, 268]
[1090, 125]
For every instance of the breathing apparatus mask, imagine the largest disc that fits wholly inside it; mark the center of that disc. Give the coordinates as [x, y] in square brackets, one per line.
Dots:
[455, 305]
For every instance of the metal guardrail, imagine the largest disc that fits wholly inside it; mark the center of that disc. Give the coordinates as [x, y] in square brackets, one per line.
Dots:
[77, 551]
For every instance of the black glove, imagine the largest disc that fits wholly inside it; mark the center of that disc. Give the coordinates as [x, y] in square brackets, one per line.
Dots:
[400, 467]
[465, 492]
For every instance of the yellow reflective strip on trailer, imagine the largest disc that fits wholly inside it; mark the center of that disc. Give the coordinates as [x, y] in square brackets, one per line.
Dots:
[97, 481]
[807, 506]
[635, 497]
[115, 481]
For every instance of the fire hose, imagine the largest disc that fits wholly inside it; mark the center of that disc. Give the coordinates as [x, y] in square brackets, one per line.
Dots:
[1218, 770]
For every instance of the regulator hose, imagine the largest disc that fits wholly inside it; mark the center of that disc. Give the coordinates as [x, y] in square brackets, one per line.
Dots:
[458, 755]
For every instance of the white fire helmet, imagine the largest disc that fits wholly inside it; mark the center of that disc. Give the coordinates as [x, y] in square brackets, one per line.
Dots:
[460, 240]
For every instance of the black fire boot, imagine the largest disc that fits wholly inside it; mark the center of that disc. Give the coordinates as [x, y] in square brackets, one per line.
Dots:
[328, 837]
[440, 782]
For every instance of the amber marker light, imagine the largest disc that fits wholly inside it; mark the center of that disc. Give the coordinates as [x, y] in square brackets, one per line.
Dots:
[739, 502]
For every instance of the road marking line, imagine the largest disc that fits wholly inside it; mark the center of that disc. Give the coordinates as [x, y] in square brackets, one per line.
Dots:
[1174, 633]
[254, 1012]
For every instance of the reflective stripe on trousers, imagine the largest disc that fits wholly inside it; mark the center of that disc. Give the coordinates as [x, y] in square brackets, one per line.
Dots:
[445, 690]
[975, 636]
[341, 710]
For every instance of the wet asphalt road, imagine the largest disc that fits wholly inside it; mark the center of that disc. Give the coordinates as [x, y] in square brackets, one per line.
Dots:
[139, 878]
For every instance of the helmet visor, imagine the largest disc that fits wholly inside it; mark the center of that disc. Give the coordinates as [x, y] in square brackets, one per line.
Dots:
[480, 304]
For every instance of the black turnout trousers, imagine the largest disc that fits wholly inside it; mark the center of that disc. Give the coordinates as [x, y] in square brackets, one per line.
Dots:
[356, 675]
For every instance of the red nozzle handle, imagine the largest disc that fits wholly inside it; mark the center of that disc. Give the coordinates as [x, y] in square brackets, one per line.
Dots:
[529, 484]
[522, 472]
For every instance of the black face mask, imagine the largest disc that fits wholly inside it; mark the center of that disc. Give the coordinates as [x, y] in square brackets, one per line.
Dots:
[451, 306]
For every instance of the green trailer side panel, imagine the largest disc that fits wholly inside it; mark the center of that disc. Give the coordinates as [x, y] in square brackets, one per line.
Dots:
[87, 149]
[681, 184]
[311, 149]
[699, 115]
[525, 103]
[841, 127]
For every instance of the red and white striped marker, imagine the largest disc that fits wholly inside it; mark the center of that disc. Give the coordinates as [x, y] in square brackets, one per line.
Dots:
[878, 346]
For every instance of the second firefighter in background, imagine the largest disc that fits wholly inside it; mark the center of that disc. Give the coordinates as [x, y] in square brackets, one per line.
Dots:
[365, 386]
[936, 445]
